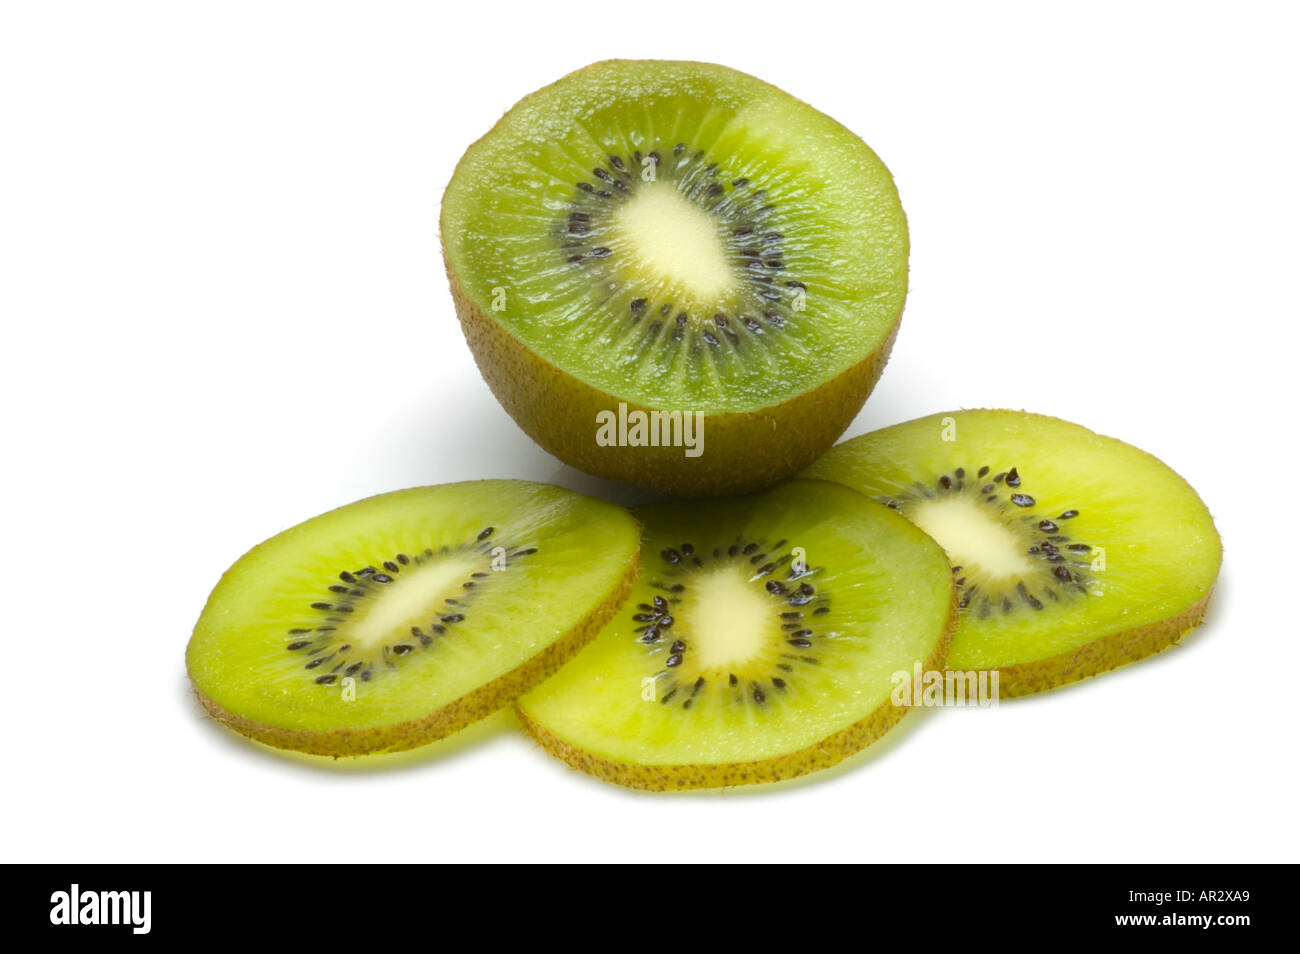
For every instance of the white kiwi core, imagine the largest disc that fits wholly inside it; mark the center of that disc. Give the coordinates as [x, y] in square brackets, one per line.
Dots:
[671, 241]
[974, 539]
[728, 621]
[412, 599]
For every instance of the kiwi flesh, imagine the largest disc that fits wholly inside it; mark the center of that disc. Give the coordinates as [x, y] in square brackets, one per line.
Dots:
[653, 239]
[1073, 553]
[761, 642]
[402, 618]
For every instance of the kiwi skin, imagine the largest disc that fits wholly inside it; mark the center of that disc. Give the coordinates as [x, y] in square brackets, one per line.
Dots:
[1101, 655]
[822, 755]
[743, 452]
[451, 718]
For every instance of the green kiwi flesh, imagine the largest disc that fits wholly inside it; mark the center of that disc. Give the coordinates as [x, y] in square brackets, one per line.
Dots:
[1073, 553]
[761, 641]
[677, 237]
[399, 619]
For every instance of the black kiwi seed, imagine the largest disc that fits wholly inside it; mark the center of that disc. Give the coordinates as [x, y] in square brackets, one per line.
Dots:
[638, 306]
[674, 660]
[1028, 597]
[401, 649]
[1047, 526]
[775, 586]
[1021, 500]
[665, 622]
[801, 642]
[347, 577]
[1013, 478]
[1079, 547]
[453, 618]
[759, 695]
[616, 162]
[325, 680]
[982, 471]
[670, 555]
[299, 644]
[1063, 574]
[945, 481]
[778, 682]
[959, 473]
[731, 679]
[1069, 514]
[677, 647]
[660, 604]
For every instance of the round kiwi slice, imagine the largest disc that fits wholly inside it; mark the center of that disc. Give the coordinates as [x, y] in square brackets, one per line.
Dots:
[761, 642]
[399, 619]
[1073, 553]
[648, 250]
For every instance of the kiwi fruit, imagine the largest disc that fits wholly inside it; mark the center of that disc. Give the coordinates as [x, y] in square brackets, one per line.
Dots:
[675, 275]
[399, 619]
[762, 641]
[1072, 553]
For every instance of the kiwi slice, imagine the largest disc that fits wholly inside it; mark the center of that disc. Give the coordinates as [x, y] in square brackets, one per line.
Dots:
[1073, 553]
[399, 619]
[761, 642]
[646, 249]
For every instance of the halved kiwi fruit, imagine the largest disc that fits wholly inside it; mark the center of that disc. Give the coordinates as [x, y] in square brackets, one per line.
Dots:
[399, 619]
[1073, 553]
[762, 641]
[648, 248]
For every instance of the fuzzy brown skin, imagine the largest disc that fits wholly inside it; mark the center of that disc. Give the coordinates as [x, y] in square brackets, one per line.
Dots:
[743, 452]
[666, 778]
[1100, 655]
[452, 717]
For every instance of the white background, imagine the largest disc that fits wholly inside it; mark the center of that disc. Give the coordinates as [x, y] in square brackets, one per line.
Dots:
[224, 311]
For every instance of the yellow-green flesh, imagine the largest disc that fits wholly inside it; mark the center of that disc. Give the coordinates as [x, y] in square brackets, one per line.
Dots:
[1136, 541]
[434, 540]
[880, 601]
[761, 254]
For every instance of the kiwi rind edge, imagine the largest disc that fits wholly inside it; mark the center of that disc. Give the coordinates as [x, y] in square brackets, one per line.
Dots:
[447, 720]
[1101, 655]
[821, 755]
